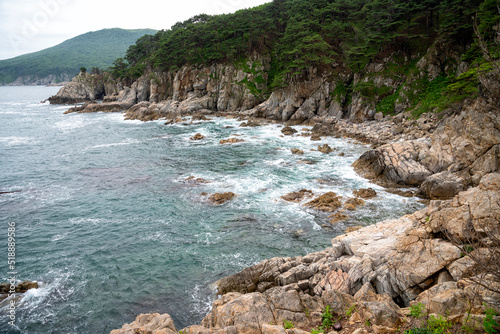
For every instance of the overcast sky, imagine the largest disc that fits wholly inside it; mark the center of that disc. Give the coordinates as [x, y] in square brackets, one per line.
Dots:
[33, 25]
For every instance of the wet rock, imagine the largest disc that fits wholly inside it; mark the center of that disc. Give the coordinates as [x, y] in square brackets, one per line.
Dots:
[307, 162]
[175, 120]
[199, 117]
[288, 131]
[297, 196]
[328, 202]
[149, 323]
[338, 217]
[315, 138]
[19, 288]
[221, 198]
[297, 151]
[250, 124]
[365, 193]
[196, 180]
[325, 149]
[354, 202]
[197, 136]
[231, 141]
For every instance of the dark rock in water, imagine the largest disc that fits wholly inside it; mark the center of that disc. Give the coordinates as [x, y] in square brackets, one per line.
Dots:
[365, 193]
[197, 136]
[219, 198]
[325, 149]
[352, 203]
[288, 131]
[196, 180]
[20, 288]
[338, 217]
[250, 124]
[297, 196]
[328, 202]
[297, 151]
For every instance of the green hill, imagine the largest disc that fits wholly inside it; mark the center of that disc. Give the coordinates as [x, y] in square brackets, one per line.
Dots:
[93, 49]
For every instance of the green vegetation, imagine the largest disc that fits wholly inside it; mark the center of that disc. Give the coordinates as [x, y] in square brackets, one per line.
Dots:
[287, 324]
[94, 49]
[489, 324]
[417, 310]
[333, 36]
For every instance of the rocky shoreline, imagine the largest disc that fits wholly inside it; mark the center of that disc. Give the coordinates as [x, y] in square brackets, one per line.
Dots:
[369, 278]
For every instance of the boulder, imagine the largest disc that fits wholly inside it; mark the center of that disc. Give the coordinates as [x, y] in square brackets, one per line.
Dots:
[288, 131]
[365, 193]
[442, 185]
[197, 136]
[196, 180]
[325, 149]
[328, 202]
[297, 151]
[221, 198]
[297, 196]
[338, 217]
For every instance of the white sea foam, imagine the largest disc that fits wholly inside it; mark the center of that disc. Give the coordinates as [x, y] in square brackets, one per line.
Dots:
[16, 141]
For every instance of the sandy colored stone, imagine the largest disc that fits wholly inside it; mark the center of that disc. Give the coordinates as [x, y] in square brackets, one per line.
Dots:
[221, 198]
[328, 202]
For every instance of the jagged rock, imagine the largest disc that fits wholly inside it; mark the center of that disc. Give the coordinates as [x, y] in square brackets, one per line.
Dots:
[288, 131]
[352, 203]
[297, 151]
[444, 298]
[325, 149]
[197, 136]
[221, 198]
[365, 193]
[328, 202]
[297, 196]
[149, 323]
[231, 141]
[442, 185]
[84, 87]
[338, 217]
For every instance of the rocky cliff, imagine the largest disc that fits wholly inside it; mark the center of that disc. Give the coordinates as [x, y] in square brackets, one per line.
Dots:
[372, 275]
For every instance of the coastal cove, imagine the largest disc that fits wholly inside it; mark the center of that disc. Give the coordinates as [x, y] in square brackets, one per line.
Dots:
[110, 227]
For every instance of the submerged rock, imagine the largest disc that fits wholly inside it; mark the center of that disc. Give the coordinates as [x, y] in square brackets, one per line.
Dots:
[196, 180]
[338, 217]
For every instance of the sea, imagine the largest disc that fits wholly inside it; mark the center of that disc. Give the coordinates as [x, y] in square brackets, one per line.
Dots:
[106, 223]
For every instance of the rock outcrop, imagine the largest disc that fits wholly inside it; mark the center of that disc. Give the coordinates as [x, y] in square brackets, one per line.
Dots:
[371, 271]
[85, 87]
[462, 149]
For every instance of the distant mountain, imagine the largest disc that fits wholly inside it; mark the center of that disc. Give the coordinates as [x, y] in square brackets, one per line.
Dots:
[63, 61]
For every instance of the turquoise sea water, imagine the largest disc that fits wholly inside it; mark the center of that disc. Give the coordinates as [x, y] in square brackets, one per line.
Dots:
[109, 228]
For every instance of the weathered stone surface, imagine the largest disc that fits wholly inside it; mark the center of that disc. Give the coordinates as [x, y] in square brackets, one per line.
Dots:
[442, 185]
[19, 288]
[221, 198]
[338, 217]
[196, 180]
[297, 151]
[328, 202]
[368, 193]
[444, 298]
[298, 196]
[149, 324]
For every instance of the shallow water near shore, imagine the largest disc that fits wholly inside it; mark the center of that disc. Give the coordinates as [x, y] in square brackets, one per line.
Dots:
[107, 224]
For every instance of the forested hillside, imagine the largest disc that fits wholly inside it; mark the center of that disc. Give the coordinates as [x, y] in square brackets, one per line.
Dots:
[93, 49]
[333, 36]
